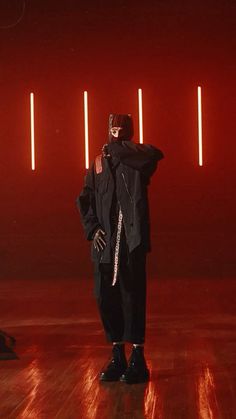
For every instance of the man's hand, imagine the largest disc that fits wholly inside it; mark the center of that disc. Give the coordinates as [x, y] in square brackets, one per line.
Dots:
[98, 240]
[105, 153]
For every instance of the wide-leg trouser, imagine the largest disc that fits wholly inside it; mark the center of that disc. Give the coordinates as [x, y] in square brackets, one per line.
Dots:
[122, 307]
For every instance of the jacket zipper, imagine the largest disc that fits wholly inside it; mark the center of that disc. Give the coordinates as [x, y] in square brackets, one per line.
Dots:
[127, 187]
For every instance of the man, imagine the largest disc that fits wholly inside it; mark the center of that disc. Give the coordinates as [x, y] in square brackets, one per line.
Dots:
[114, 210]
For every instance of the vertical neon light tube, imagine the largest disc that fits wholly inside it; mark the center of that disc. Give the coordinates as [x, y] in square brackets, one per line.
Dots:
[200, 125]
[86, 135]
[140, 111]
[32, 131]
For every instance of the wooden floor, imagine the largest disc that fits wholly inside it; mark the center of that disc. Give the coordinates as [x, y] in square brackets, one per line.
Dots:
[190, 349]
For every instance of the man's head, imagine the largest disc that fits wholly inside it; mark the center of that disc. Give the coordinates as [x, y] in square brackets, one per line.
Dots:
[120, 127]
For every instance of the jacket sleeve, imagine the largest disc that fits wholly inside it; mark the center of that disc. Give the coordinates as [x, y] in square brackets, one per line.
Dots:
[143, 157]
[86, 205]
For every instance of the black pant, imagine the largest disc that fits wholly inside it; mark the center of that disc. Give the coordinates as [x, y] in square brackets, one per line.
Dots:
[123, 306]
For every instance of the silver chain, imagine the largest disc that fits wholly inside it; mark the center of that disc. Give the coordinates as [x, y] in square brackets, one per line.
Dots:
[117, 248]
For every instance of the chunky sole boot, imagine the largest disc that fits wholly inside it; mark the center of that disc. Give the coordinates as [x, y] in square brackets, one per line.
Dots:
[137, 371]
[116, 367]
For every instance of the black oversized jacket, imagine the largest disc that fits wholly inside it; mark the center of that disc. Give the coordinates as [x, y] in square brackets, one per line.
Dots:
[135, 163]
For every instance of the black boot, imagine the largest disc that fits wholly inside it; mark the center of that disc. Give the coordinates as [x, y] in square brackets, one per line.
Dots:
[7, 344]
[116, 366]
[137, 371]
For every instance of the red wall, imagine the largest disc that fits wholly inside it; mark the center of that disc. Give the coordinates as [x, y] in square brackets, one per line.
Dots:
[57, 52]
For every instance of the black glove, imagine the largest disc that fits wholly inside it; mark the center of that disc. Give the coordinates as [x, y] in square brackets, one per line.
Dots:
[98, 240]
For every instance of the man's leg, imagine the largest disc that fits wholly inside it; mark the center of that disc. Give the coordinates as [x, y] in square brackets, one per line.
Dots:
[132, 280]
[133, 291]
[110, 305]
[110, 308]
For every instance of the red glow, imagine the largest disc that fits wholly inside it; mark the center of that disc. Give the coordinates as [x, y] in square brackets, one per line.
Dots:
[140, 109]
[86, 135]
[32, 131]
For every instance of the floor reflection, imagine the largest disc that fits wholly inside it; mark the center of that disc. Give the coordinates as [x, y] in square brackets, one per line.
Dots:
[207, 402]
[31, 380]
[152, 402]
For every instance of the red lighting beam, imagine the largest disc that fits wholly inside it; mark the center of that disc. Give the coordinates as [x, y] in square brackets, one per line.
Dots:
[86, 133]
[140, 112]
[32, 131]
[199, 89]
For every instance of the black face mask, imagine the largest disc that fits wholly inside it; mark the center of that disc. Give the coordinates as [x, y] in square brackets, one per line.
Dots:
[125, 122]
